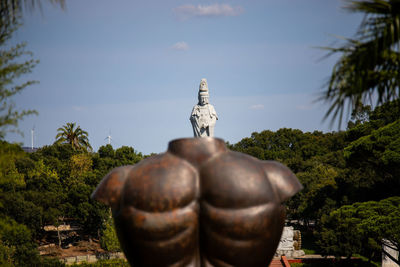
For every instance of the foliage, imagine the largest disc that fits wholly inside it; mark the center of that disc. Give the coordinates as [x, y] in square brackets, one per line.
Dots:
[76, 137]
[10, 178]
[337, 170]
[361, 228]
[373, 163]
[80, 164]
[50, 262]
[126, 155]
[369, 64]
[16, 244]
[10, 71]
[104, 263]
[106, 151]
[109, 240]
[23, 211]
[11, 11]
[316, 158]
[56, 182]
[107, 159]
[318, 197]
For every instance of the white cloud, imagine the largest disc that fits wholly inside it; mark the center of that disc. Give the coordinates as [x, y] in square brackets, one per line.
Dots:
[215, 10]
[257, 106]
[181, 46]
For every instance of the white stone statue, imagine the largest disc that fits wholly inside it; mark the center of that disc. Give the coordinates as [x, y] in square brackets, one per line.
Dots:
[286, 242]
[204, 116]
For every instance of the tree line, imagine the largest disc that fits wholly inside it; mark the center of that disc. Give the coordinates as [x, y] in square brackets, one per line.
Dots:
[43, 188]
[350, 198]
[351, 180]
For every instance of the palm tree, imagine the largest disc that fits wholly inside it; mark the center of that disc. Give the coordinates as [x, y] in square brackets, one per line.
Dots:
[369, 66]
[77, 138]
[12, 9]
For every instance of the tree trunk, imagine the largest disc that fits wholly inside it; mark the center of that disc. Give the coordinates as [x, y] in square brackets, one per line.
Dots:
[59, 237]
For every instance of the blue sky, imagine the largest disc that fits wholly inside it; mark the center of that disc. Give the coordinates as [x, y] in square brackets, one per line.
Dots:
[133, 68]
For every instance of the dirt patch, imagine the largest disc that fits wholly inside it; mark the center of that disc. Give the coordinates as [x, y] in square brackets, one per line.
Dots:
[81, 248]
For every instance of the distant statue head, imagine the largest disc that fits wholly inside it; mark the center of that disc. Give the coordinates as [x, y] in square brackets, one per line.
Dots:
[203, 92]
[203, 115]
[203, 85]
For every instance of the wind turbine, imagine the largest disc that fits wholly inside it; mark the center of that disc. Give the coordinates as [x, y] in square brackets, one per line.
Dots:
[32, 135]
[109, 138]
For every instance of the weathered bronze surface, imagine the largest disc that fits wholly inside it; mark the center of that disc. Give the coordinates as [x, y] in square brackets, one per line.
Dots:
[199, 204]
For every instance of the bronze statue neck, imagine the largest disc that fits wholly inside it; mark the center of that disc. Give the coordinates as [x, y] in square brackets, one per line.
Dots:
[197, 150]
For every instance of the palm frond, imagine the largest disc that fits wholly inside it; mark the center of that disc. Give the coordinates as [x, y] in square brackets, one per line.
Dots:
[76, 137]
[369, 63]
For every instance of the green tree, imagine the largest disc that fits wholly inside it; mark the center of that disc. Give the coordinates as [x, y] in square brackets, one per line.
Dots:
[106, 151]
[289, 146]
[23, 211]
[10, 178]
[362, 228]
[10, 71]
[126, 155]
[373, 164]
[340, 234]
[16, 240]
[7, 254]
[107, 159]
[109, 240]
[319, 194]
[80, 164]
[382, 115]
[56, 157]
[369, 63]
[76, 137]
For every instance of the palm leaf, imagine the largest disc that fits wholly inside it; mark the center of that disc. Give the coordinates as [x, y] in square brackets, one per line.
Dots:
[76, 137]
[369, 65]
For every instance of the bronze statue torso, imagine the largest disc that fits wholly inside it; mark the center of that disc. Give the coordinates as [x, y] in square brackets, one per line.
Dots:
[199, 204]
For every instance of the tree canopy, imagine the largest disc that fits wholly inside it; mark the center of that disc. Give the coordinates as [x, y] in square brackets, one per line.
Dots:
[44, 187]
[338, 169]
[362, 228]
